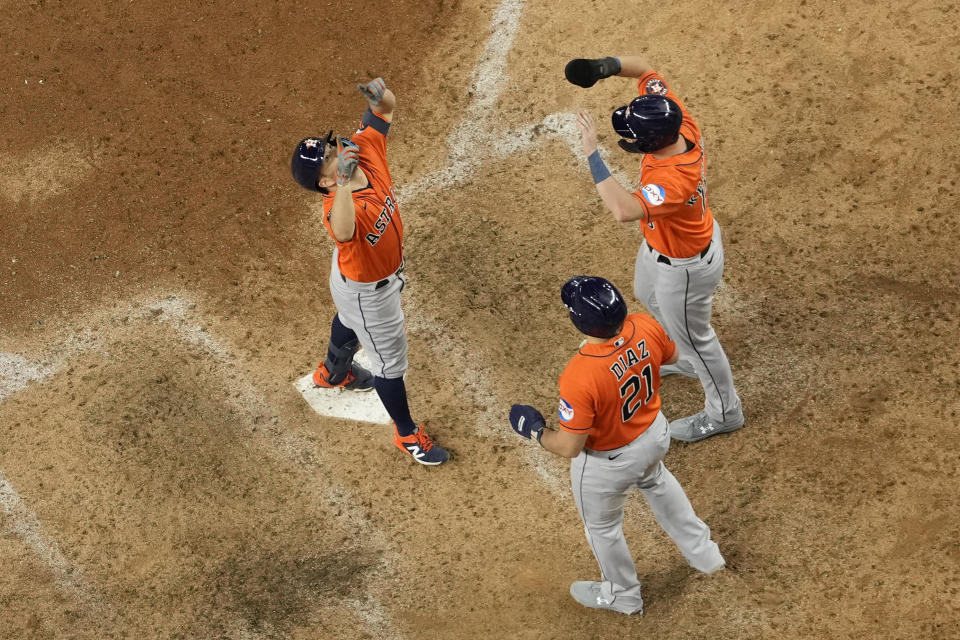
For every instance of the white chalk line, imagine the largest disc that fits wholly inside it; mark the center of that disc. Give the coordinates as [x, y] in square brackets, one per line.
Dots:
[487, 81]
[473, 142]
[25, 525]
[177, 311]
[288, 447]
[17, 373]
[496, 145]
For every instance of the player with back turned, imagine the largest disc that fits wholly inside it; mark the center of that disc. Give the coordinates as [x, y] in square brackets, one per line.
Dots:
[361, 214]
[680, 261]
[612, 429]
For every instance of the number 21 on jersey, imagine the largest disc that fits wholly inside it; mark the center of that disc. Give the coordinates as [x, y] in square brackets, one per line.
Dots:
[635, 390]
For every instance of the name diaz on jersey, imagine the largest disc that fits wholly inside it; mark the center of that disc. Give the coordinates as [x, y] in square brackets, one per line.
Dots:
[628, 358]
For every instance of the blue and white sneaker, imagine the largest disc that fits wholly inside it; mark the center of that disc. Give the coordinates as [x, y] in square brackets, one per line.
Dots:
[421, 447]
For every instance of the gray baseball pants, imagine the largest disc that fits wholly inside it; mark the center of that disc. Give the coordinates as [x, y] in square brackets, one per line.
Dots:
[375, 315]
[680, 297]
[600, 489]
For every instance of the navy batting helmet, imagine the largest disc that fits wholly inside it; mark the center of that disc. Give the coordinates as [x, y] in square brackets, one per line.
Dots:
[650, 122]
[596, 307]
[307, 160]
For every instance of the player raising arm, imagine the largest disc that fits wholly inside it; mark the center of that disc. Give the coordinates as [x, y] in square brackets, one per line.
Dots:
[611, 426]
[361, 214]
[680, 261]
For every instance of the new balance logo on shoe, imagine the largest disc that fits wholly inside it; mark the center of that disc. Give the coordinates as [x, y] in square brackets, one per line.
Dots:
[416, 452]
[420, 447]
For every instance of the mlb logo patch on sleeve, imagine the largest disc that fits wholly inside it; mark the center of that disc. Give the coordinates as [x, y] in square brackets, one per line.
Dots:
[654, 194]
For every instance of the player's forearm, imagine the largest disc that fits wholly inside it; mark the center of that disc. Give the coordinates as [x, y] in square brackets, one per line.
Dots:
[342, 221]
[633, 66]
[560, 443]
[386, 105]
[619, 201]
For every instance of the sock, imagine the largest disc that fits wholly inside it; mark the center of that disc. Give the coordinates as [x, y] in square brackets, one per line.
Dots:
[393, 395]
[339, 333]
[343, 344]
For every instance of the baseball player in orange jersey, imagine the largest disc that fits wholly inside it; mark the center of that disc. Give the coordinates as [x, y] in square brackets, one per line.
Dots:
[361, 213]
[612, 428]
[680, 261]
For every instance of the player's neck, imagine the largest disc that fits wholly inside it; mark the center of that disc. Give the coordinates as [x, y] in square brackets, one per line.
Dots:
[593, 340]
[359, 180]
[675, 149]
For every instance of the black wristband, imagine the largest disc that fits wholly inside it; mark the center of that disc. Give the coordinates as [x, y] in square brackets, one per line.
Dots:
[609, 67]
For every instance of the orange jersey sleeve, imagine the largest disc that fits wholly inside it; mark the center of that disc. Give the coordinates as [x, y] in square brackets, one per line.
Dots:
[610, 391]
[376, 249]
[673, 191]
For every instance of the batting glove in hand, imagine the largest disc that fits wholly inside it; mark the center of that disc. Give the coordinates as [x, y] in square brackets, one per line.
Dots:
[373, 91]
[526, 420]
[585, 72]
[347, 160]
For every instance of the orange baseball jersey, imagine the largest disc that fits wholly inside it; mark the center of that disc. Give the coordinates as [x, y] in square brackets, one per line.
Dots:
[376, 249]
[610, 391]
[673, 191]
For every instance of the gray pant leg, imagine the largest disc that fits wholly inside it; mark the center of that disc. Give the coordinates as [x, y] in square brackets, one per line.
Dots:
[685, 297]
[600, 489]
[377, 319]
[645, 275]
[675, 514]
[673, 510]
[600, 499]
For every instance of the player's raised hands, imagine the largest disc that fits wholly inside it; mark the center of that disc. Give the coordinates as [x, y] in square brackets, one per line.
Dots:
[347, 160]
[584, 72]
[588, 132]
[526, 420]
[373, 91]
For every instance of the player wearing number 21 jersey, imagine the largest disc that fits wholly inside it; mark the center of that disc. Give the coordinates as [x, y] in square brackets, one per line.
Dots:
[611, 427]
[609, 391]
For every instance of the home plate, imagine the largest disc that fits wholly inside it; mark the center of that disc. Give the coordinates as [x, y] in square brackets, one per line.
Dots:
[364, 406]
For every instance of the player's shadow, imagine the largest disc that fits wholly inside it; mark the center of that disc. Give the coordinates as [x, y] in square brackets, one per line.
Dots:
[667, 587]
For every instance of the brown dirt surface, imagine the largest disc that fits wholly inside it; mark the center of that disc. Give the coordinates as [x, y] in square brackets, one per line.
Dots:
[163, 283]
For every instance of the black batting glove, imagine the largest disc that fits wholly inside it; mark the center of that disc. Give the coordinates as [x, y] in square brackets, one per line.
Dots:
[584, 72]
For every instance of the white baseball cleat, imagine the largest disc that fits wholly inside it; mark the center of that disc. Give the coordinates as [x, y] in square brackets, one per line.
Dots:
[701, 426]
[589, 594]
[716, 568]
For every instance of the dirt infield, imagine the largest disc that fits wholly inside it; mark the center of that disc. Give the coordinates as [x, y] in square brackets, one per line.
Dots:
[163, 283]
